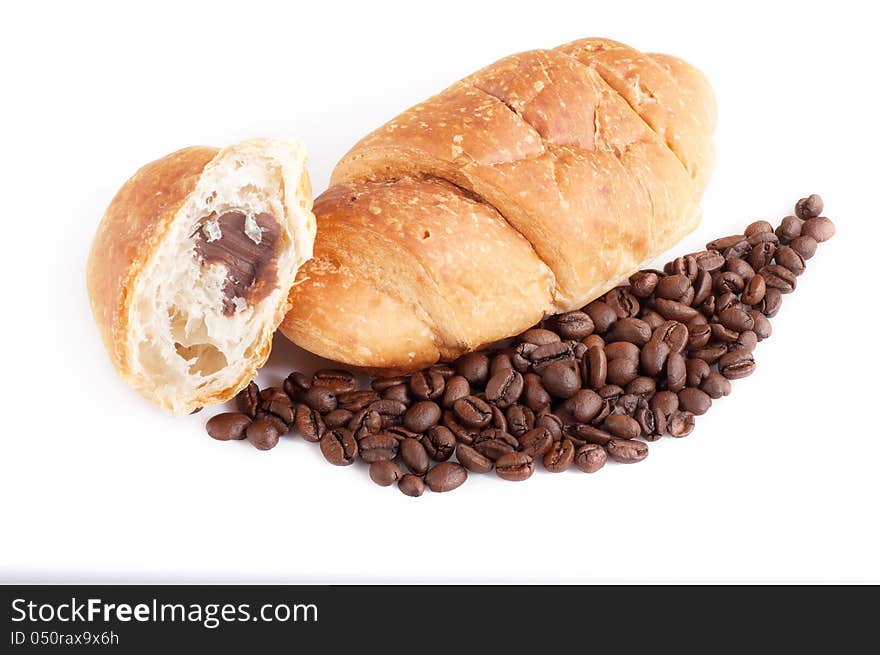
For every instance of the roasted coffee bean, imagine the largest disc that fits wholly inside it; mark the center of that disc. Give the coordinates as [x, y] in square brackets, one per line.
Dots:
[633, 330]
[626, 451]
[771, 303]
[642, 386]
[552, 423]
[697, 371]
[727, 300]
[355, 401]
[779, 277]
[664, 402]
[539, 336]
[339, 447]
[710, 353]
[602, 315]
[374, 447]
[391, 411]
[542, 356]
[590, 457]
[462, 432]
[595, 367]
[741, 268]
[758, 227]
[385, 472]
[622, 350]
[721, 333]
[652, 318]
[708, 307]
[296, 384]
[493, 443]
[446, 371]
[536, 442]
[736, 364]
[702, 288]
[728, 281]
[273, 393]
[521, 356]
[754, 291]
[594, 341]
[674, 334]
[262, 434]
[804, 245]
[413, 454]
[321, 399]
[672, 310]
[445, 477]
[515, 467]
[398, 392]
[560, 456]
[381, 384]
[748, 340]
[280, 407]
[725, 242]
[686, 266]
[643, 283]
[520, 419]
[791, 259]
[762, 328]
[761, 255]
[709, 260]
[422, 416]
[715, 385]
[789, 228]
[763, 237]
[583, 405]
[574, 325]
[627, 404]
[499, 362]
[337, 418]
[622, 426]
[499, 420]
[820, 228]
[411, 485]
[622, 371]
[680, 424]
[561, 379]
[653, 356]
[694, 400]
[578, 349]
[623, 302]
[427, 385]
[472, 412]
[282, 427]
[534, 396]
[505, 387]
[474, 367]
[248, 399]
[647, 421]
[228, 426]
[737, 250]
[439, 443]
[337, 380]
[676, 373]
[736, 319]
[673, 287]
[456, 387]
[308, 423]
[581, 433]
[809, 207]
[472, 460]
[698, 334]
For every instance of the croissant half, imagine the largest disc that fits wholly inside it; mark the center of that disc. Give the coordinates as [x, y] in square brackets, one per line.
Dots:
[528, 188]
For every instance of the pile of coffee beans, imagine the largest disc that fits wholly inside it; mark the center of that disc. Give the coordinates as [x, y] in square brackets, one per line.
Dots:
[582, 387]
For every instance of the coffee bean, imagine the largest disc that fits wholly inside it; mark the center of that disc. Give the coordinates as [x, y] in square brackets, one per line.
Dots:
[664, 402]
[694, 400]
[707, 308]
[472, 460]
[622, 371]
[754, 291]
[385, 473]
[736, 319]
[308, 423]
[355, 401]
[339, 447]
[367, 421]
[626, 451]
[809, 207]
[789, 228]
[622, 350]
[262, 434]
[763, 237]
[536, 442]
[595, 364]
[560, 456]
[520, 419]
[248, 399]
[686, 266]
[653, 356]
[737, 364]
[542, 356]
[269, 394]
[552, 423]
[375, 447]
[672, 310]
[582, 433]
[413, 454]
[515, 467]
[411, 485]
[602, 315]
[583, 405]
[623, 302]
[676, 372]
[296, 384]
[771, 303]
[680, 424]
[539, 337]
[622, 426]
[335, 419]
[699, 334]
[427, 385]
[710, 353]
[381, 384]
[820, 229]
[474, 367]
[633, 330]
[779, 277]
[627, 404]
[697, 371]
[721, 333]
[229, 426]
[761, 255]
[741, 268]
[673, 287]
[757, 228]
[574, 325]
[534, 395]
[651, 425]
[725, 242]
[728, 282]
[652, 318]
[805, 246]
[702, 288]
[422, 416]
[643, 283]
[504, 388]
[499, 362]
[456, 387]
[445, 477]
[337, 380]
[391, 411]
[446, 371]
[674, 334]
[399, 392]
[748, 340]
[791, 259]
[472, 411]
[561, 379]
[709, 260]
[594, 341]
[642, 386]
[439, 443]
[460, 431]
[715, 385]
[493, 443]
[321, 399]
[590, 457]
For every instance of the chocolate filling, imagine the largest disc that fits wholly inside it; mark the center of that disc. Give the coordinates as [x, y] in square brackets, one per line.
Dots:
[251, 273]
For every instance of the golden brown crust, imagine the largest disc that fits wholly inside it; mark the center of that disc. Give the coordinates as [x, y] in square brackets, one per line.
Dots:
[130, 231]
[594, 153]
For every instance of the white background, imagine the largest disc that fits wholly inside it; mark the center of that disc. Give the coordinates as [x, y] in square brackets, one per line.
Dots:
[778, 483]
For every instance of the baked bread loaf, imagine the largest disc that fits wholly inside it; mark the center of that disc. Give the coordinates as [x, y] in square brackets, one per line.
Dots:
[528, 188]
[190, 271]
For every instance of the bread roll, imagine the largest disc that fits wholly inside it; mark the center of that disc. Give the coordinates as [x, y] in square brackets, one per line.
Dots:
[528, 188]
[190, 271]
